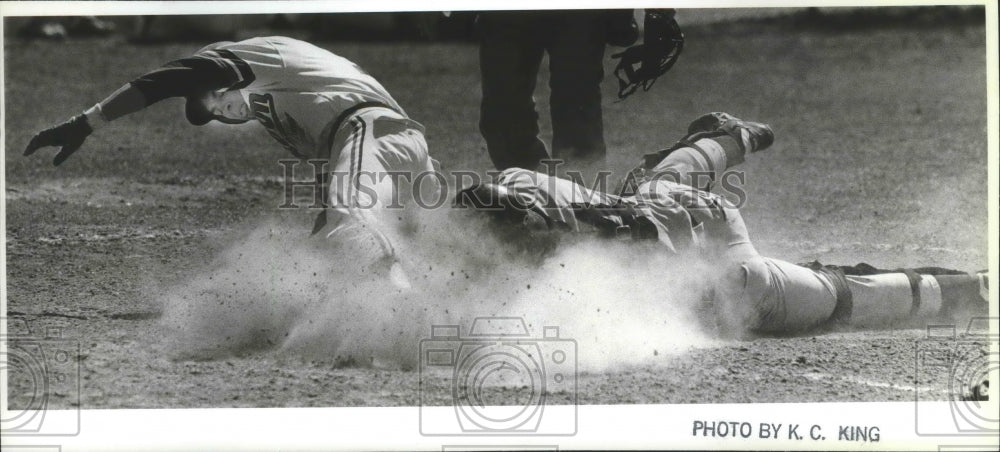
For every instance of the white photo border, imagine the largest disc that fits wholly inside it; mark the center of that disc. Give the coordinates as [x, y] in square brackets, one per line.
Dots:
[618, 426]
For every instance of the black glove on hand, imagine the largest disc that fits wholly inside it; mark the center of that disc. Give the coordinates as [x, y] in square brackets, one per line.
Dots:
[70, 135]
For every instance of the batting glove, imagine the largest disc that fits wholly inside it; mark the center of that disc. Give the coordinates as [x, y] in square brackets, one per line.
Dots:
[70, 135]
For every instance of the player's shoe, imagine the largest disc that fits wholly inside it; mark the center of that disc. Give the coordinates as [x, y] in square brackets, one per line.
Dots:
[751, 136]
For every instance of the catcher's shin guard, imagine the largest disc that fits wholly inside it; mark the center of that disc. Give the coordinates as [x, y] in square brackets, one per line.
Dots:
[964, 293]
[750, 136]
[960, 292]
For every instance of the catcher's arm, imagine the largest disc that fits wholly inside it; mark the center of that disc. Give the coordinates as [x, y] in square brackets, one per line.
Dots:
[175, 79]
[642, 64]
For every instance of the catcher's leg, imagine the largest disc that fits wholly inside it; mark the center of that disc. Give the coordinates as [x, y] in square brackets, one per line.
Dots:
[715, 142]
[772, 296]
[885, 298]
[748, 136]
[882, 297]
[767, 295]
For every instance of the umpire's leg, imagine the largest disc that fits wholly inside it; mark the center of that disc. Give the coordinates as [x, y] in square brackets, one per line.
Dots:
[510, 53]
[576, 62]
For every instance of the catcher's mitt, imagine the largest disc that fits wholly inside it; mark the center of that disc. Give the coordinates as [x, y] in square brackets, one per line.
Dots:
[642, 64]
[617, 221]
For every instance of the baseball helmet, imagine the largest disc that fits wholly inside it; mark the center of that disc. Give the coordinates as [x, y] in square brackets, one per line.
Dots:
[194, 108]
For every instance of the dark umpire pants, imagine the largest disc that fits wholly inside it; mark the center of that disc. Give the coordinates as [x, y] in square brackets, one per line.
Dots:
[510, 53]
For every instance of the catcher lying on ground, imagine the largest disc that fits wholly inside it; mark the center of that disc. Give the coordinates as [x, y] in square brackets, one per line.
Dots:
[673, 207]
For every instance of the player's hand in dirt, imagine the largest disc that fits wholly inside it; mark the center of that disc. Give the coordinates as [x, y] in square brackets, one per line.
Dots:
[70, 135]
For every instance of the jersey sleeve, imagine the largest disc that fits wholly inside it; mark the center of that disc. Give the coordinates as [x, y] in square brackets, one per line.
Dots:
[207, 70]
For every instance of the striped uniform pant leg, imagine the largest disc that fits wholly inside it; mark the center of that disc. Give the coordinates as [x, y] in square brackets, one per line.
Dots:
[357, 190]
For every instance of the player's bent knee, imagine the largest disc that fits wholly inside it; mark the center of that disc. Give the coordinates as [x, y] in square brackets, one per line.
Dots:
[740, 299]
[775, 297]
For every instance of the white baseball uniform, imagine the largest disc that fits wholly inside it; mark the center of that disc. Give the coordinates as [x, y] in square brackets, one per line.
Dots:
[316, 104]
[322, 106]
[765, 294]
[773, 295]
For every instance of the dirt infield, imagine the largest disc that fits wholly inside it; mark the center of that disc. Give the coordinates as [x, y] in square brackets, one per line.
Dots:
[880, 157]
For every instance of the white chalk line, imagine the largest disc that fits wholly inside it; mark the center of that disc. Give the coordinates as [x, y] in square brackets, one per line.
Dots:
[875, 384]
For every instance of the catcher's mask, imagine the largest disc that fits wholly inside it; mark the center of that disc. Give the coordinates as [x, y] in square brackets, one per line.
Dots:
[640, 65]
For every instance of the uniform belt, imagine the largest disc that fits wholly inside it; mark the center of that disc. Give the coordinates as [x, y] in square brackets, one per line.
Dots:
[346, 114]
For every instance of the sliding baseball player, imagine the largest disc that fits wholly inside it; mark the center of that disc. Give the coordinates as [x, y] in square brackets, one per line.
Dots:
[317, 105]
[671, 204]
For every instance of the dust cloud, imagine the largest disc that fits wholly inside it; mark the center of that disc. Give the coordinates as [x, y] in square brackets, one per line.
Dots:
[277, 290]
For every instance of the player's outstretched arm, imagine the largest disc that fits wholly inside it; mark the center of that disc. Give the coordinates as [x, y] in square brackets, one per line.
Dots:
[70, 135]
[180, 78]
